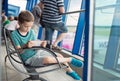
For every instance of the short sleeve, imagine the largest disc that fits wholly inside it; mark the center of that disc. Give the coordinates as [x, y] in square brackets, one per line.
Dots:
[14, 39]
[60, 3]
[41, 1]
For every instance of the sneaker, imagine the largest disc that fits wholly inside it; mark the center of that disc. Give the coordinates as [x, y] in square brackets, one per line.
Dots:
[48, 46]
[57, 48]
[76, 62]
[74, 75]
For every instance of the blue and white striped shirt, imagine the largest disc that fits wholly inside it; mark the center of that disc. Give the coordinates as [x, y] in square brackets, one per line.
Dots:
[50, 12]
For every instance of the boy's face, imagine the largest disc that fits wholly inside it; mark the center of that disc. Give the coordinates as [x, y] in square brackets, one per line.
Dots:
[26, 26]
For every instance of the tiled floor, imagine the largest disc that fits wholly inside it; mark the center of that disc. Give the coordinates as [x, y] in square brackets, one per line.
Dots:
[10, 74]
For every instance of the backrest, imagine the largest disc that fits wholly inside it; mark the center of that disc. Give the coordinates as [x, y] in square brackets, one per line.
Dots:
[12, 53]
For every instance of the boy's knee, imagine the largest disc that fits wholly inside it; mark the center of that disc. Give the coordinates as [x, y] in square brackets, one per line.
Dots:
[59, 55]
[46, 60]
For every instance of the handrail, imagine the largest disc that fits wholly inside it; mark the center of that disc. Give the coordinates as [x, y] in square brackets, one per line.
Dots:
[83, 10]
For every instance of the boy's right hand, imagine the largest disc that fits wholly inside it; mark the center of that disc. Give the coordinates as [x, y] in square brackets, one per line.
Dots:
[30, 44]
[43, 43]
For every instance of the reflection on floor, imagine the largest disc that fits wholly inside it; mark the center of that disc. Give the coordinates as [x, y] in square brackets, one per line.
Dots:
[101, 74]
[10, 74]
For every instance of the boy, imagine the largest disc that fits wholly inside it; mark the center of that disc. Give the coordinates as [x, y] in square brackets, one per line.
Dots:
[25, 37]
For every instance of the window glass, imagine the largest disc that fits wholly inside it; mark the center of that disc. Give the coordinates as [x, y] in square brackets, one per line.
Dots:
[18, 3]
[118, 63]
[103, 22]
[106, 49]
[71, 23]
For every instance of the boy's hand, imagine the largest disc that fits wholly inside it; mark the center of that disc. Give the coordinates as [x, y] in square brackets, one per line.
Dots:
[43, 43]
[30, 44]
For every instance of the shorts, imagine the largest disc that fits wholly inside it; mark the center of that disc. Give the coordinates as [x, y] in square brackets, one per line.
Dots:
[50, 27]
[37, 59]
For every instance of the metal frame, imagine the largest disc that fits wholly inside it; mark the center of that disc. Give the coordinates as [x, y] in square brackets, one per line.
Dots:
[88, 40]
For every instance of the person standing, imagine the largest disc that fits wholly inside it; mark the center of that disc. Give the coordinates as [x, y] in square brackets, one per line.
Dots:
[36, 11]
[52, 20]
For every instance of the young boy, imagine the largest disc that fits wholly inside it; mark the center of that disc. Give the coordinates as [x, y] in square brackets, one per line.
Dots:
[25, 37]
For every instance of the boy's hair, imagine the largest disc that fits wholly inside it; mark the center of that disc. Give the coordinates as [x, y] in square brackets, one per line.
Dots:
[25, 16]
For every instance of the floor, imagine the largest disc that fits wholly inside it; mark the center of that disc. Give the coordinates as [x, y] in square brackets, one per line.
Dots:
[10, 74]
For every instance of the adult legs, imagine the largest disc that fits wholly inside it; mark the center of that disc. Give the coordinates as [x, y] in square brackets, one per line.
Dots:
[48, 33]
[61, 28]
[59, 38]
[49, 30]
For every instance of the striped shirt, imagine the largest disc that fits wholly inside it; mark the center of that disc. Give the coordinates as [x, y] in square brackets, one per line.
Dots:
[50, 12]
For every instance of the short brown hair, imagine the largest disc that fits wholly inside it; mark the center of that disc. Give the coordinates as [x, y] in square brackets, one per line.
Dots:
[25, 16]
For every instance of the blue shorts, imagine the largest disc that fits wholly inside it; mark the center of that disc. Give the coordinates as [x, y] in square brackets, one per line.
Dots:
[50, 27]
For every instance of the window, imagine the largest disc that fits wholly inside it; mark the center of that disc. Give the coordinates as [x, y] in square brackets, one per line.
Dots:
[71, 23]
[18, 3]
[106, 49]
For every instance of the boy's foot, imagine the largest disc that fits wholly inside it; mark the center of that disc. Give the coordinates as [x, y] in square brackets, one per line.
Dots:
[76, 62]
[74, 75]
[57, 48]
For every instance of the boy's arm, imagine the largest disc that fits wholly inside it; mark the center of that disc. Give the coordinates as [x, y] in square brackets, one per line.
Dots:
[43, 43]
[32, 43]
[37, 43]
[20, 49]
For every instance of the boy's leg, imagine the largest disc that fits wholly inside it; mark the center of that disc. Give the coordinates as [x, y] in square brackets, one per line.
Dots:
[67, 69]
[73, 61]
[61, 59]
[50, 60]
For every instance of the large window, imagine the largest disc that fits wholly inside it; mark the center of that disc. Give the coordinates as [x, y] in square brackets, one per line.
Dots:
[71, 23]
[106, 49]
[103, 23]
[15, 6]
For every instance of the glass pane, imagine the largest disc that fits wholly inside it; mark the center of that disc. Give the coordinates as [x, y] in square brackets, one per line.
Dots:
[71, 23]
[103, 23]
[81, 50]
[19, 3]
[105, 20]
[118, 63]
